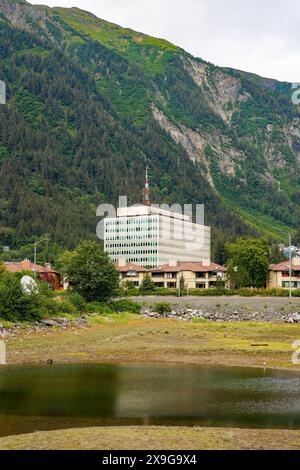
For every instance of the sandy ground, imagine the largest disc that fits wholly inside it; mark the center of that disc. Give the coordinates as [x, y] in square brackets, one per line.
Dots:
[155, 438]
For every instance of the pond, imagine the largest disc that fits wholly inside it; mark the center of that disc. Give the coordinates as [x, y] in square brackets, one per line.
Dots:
[63, 396]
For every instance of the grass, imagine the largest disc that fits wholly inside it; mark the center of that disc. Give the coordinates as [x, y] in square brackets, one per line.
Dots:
[132, 338]
[147, 52]
[159, 438]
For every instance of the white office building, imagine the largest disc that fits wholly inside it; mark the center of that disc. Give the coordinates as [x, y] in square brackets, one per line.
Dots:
[149, 237]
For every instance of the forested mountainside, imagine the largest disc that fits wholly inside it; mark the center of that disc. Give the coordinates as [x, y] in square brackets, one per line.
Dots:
[90, 104]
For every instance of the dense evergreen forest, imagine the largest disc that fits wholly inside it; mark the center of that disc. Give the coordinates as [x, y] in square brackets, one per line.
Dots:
[90, 104]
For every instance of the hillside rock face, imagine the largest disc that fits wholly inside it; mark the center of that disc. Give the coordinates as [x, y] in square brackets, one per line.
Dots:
[91, 103]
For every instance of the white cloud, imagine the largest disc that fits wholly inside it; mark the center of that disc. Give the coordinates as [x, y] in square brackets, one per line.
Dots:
[259, 36]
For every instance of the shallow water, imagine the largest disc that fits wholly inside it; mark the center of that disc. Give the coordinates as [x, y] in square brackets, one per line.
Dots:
[63, 396]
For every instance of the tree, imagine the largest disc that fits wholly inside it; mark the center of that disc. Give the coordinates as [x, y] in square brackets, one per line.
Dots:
[91, 273]
[220, 283]
[248, 262]
[182, 283]
[147, 286]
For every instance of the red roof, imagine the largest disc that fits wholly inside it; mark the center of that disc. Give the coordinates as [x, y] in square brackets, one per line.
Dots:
[284, 266]
[130, 267]
[189, 266]
[26, 265]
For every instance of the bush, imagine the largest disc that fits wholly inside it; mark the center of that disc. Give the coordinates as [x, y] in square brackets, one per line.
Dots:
[76, 300]
[164, 292]
[163, 307]
[98, 307]
[128, 292]
[126, 306]
[212, 292]
[14, 304]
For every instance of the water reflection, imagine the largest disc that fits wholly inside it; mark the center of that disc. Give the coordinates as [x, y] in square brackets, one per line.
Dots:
[35, 398]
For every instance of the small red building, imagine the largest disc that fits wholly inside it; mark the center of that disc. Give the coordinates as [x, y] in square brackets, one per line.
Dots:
[45, 273]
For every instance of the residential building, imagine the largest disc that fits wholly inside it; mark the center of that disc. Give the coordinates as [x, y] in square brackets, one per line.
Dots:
[196, 275]
[279, 275]
[45, 273]
[131, 273]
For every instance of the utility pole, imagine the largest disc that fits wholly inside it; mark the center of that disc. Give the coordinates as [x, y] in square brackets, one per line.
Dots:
[290, 262]
[34, 259]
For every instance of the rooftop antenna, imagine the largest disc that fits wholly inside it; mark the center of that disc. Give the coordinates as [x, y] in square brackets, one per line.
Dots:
[146, 191]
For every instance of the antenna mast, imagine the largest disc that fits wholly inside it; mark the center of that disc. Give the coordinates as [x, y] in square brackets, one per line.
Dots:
[146, 191]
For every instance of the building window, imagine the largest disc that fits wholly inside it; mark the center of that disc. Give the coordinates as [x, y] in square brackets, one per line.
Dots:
[171, 275]
[200, 286]
[171, 285]
[286, 284]
[201, 275]
[159, 284]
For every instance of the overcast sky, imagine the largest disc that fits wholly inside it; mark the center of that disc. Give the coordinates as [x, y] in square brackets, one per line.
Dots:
[260, 36]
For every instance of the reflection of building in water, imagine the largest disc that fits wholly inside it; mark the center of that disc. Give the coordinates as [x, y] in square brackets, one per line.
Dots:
[160, 391]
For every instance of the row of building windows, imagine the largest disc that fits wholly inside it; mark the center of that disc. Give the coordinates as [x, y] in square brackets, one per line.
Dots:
[135, 236]
[135, 244]
[138, 230]
[131, 252]
[295, 284]
[141, 261]
[131, 221]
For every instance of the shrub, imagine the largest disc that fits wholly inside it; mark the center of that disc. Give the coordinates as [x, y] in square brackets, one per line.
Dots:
[128, 292]
[76, 300]
[15, 305]
[163, 307]
[98, 307]
[164, 292]
[125, 305]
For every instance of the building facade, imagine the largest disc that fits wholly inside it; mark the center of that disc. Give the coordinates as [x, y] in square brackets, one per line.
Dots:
[45, 273]
[279, 275]
[149, 237]
[195, 275]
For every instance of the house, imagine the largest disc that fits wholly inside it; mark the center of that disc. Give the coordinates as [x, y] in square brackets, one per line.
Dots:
[45, 273]
[196, 275]
[279, 275]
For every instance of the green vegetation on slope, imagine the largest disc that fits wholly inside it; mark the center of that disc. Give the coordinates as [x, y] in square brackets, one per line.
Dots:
[81, 93]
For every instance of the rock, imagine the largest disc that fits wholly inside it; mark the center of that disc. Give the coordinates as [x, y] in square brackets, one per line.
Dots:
[290, 320]
[296, 317]
[49, 322]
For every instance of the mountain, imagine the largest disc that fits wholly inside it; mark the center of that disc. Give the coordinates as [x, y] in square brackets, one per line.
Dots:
[90, 104]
